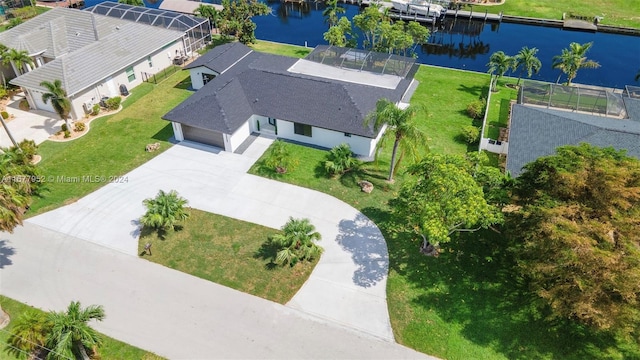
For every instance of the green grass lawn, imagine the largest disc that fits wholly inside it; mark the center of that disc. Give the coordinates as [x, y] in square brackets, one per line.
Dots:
[498, 115]
[615, 12]
[228, 252]
[114, 146]
[111, 349]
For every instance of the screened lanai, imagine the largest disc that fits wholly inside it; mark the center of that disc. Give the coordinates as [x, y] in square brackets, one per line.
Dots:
[197, 30]
[363, 60]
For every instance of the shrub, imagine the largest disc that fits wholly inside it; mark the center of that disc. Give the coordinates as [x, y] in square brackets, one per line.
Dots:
[476, 108]
[113, 103]
[164, 211]
[471, 134]
[67, 134]
[340, 160]
[5, 115]
[280, 158]
[95, 110]
[64, 128]
[79, 126]
[296, 243]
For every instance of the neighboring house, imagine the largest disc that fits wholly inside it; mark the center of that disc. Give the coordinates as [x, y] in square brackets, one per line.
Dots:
[537, 131]
[93, 55]
[241, 91]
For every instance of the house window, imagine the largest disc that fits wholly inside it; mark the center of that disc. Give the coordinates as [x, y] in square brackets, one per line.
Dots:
[302, 129]
[149, 61]
[347, 134]
[130, 74]
[206, 78]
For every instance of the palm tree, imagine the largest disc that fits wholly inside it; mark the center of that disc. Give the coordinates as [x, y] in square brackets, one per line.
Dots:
[332, 11]
[28, 335]
[573, 59]
[499, 63]
[296, 242]
[59, 100]
[164, 211]
[400, 123]
[70, 335]
[526, 60]
[18, 59]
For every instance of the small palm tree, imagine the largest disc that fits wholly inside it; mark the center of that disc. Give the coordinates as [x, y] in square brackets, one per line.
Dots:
[499, 63]
[573, 59]
[296, 243]
[332, 11]
[526, 60]
[340, 160]
[70, 334]
[59, 100]
[401, 126]
[28, 335]
[164, 211]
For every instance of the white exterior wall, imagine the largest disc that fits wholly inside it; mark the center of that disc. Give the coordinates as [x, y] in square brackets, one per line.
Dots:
[196, 76]
[232, 142]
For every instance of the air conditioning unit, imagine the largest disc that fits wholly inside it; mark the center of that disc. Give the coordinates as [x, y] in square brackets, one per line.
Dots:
[88, 107]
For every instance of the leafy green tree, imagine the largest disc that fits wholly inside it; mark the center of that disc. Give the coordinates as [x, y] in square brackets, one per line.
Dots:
[28, 336]
[573, 59]
[296, 243]
[402, 126]
[209, 12]
[235, 19]
[499, 63]
[442, 198]
[70, 335]
[526, 61]
[340, 160]
[59, 100]
[341, 34]
[132, 2]
[164, 211]
[332, 11]
[575, 236]
[18, 60]
[280, 158]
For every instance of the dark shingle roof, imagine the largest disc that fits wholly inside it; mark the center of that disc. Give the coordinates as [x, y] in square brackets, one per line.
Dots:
[221, 57]
[536, 132]
[260, 84]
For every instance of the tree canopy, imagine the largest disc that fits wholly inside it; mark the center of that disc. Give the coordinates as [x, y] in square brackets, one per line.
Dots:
[575, 235]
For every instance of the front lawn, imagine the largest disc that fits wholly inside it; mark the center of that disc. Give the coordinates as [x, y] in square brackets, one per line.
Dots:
[110, 350]
[229, 252]
[114, 146]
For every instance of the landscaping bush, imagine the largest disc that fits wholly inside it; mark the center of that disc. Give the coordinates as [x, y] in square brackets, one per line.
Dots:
[113, 103]
[340, 160]
[5, 115]
[95, 110]
[79, 126]
[476, 108]
[471, 134]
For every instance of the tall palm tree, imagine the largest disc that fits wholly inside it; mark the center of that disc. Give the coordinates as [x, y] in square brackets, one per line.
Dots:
[499, 63]
[296, 242]
[28, 335]
[18, 59]
[526, 60]
[332, 11]
[402, 127]
[59, 100]
[70, 334]
[573, 59]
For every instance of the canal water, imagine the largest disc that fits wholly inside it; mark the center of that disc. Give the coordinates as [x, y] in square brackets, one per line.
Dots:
[464, 44]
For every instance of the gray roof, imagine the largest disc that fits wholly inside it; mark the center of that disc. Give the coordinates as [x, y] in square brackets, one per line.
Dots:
[85, 59]
[220, 58]
[535, 132]
[260, 84]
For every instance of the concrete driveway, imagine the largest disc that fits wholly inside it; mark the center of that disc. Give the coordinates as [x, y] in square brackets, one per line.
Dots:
[347, 287]
[36, 125]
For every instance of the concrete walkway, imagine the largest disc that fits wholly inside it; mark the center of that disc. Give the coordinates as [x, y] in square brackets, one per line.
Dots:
[348, 286]
[168, 312]
[36, 125]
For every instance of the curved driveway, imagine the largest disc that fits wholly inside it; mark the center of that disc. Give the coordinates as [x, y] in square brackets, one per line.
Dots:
[347, 287]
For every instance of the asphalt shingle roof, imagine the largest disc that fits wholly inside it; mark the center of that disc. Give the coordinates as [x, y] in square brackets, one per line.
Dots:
[260, 84]
[535, 132]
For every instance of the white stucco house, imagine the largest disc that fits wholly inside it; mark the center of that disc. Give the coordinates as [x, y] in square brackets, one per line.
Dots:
[321, 100]
[92, 55]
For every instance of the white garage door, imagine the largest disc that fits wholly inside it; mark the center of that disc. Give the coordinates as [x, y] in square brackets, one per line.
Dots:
[208, 137]
[37, 97]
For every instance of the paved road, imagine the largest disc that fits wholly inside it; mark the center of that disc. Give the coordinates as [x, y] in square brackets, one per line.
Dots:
[171, 313]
